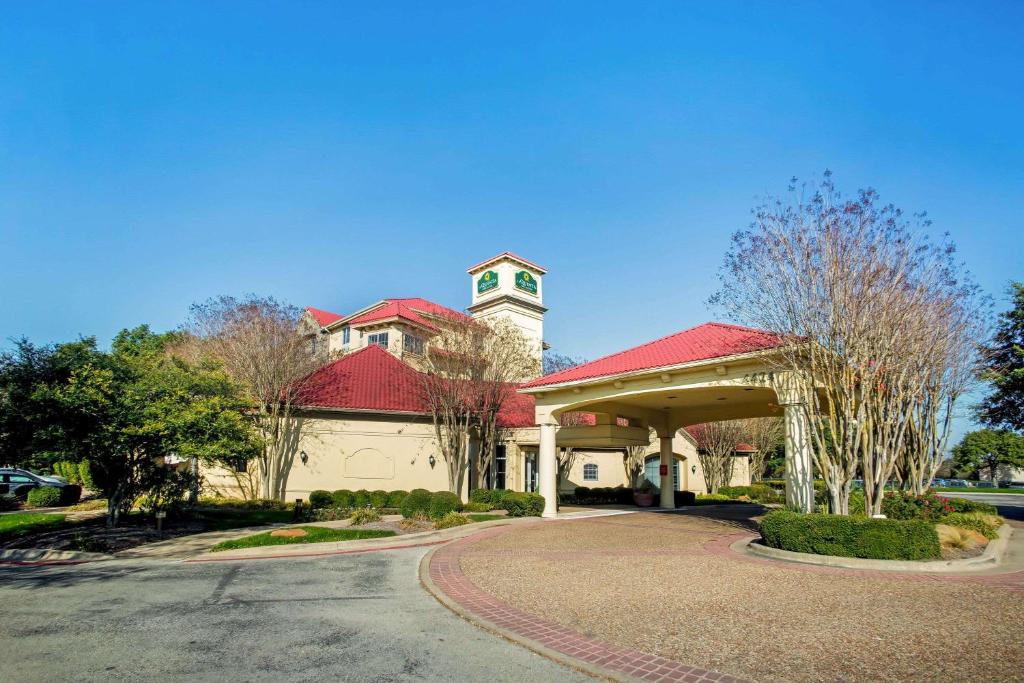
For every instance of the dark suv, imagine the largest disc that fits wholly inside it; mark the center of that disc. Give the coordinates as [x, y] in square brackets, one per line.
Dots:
[17, 482]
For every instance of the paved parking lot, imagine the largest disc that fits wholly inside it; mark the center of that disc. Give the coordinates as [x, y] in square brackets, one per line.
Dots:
[348, 617]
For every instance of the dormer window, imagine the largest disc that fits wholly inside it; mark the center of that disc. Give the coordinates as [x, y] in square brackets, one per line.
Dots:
[378, 338]
[344, 335]
[412, 344]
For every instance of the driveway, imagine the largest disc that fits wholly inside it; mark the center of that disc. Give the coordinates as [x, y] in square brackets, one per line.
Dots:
[347, 617]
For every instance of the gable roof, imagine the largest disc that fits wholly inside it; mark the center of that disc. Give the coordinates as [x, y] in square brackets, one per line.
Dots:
[414, 310]
[703, 342]
[373, 380]
[509, 255]
[323, 318]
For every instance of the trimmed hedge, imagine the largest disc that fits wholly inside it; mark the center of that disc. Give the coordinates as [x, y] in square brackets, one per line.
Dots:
[756, 492]
[320, 499]
[451, 519]
[876, 539]
[379, 499]
[476, 507]
[416, 503]
[492, 497]
[395, 498]
[361, 498]
[523, 504]
[70, 494]
[44, 497]
[604, 495]
[443, 503]
[685, 498]
[85, 475]
[342, 498]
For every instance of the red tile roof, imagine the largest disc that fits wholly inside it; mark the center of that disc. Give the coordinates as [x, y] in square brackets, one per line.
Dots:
[323, 318]
[745, 448]
[704, 342]
[412, 310]
[371, 379]
[510, 255]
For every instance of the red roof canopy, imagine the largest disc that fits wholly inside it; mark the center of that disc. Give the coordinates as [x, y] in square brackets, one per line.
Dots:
[412, 310]
[371, 379]
[704, 342]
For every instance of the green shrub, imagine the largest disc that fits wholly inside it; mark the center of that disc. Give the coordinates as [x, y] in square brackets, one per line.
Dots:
[9, 502]
[361, 498]
[476, 507]
[395, 498]
[451, 519]
[685, 498]
[70, 494]
[582, 493]
[964, 505]
[243, 504]
[492, 497]
[379, 499]
[879, 539]
[756, 492]
[928, 507]
[342, 498]
[320, 499]
[364, 516]
[85, 475]
[713, 496]
[985, 524]
[523, 504]
[44, 497]
[416, 503]
[443, 502]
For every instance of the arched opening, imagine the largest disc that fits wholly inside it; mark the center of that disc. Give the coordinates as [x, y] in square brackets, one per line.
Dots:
[652, 471]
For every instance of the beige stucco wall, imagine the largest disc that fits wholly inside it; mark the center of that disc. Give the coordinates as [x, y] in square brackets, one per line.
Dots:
[355, 452]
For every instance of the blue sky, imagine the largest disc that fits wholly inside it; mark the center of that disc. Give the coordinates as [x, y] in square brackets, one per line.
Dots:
[330, 154]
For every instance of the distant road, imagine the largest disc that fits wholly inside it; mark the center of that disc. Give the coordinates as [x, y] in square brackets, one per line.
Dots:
[1010, 505]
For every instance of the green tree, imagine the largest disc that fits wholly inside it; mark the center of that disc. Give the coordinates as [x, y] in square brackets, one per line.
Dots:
[988, 449]
[141, 404]
[32, 423]
[1004, 407]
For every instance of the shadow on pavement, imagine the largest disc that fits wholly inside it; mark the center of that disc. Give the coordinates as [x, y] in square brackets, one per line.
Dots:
[61, 576]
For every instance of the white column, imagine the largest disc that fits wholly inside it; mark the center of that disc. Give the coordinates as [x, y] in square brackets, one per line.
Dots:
[668, 494]
[547, 473]
[799, 470]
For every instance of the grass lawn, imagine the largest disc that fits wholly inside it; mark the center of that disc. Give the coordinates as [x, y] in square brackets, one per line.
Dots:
[24, 523]
[314, 534]
[485, 517]
[221, 519]
[973, 489]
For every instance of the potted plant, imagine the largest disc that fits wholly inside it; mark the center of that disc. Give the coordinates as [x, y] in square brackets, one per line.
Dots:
[643, 494]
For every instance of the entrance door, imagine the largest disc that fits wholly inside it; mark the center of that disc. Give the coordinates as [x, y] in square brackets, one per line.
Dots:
[530, 460]
[652, 470]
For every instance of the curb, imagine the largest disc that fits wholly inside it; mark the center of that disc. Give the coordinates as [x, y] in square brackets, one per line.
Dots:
[419, 539]
[39, 556]
[990, 558]
[606, 661]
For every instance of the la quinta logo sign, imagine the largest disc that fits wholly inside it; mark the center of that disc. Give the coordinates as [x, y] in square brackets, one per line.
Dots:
[526, 282]
[487, 282]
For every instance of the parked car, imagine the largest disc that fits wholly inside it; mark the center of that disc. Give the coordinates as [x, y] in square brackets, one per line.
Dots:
[18, 482]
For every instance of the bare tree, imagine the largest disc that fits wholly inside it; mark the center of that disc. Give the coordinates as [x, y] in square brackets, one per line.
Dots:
[862, 295]
[556, 362]
[765, 434]
[256, 340]
[716, 450]
[633, 459]
[472, 370]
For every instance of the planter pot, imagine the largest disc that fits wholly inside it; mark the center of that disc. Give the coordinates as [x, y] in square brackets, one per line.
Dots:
[644, 500]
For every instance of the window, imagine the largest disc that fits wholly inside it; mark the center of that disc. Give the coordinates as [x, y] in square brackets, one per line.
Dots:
[344, 335]
[412, 344]
[590, 472]
[312, 345]
[379, 338]
[499, 467]
[241, 465]
[652, 470]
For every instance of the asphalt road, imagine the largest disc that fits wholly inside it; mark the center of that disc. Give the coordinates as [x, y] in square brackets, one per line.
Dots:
[1010, 505]
[357, 617]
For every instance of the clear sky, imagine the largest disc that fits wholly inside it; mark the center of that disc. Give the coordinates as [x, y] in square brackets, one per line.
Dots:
[332, 154]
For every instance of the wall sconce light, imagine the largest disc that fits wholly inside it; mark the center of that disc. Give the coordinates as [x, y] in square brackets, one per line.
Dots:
[432, 460]
[303, 457]
[693, 469]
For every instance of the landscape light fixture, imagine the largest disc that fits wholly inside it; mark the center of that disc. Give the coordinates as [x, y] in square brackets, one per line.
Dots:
[693, 469]
[432, 460]
[303, 457]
